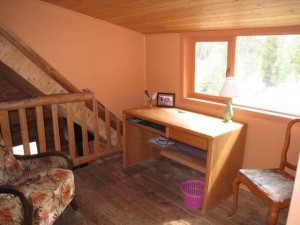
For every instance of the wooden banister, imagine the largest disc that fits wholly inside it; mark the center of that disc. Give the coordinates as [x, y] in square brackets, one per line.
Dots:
[96, 122]
[71, 134]
[103, 114]
[41, 128]
[71, 103]
[5, 127]
[111, 121]
[24, 131]
[56, 134]
[45, 100]
[107, 125]
[84, 129]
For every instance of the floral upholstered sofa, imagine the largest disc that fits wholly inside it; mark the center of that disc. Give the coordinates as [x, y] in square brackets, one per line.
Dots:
[34, 189]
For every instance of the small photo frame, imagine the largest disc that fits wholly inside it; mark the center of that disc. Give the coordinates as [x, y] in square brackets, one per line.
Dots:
[165, 100]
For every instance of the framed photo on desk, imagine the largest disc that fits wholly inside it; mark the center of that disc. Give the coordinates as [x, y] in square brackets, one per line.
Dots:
[165, 100]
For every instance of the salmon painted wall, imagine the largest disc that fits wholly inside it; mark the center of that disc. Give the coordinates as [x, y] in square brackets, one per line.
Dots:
[117, 65]
[264, 136]
[107, 59]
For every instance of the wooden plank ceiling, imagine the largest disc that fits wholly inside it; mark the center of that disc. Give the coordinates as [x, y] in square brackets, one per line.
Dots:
[162, 16]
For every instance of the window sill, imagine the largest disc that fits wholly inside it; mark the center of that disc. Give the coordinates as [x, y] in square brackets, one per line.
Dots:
[238, 110]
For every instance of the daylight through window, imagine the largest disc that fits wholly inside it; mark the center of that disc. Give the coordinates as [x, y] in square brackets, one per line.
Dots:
[210, 66]
[268, 72]
[267, 68]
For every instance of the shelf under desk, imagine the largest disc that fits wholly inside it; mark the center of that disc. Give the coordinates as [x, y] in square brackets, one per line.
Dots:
[223, 142]
[189, 160]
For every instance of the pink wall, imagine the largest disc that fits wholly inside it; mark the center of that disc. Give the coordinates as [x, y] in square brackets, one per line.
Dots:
[115, 64]
[107, 59]
[264, 136]
[162, 63]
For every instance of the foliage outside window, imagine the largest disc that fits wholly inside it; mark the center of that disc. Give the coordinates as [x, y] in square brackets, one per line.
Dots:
[210, 66]
[267, 68]
[268, 71]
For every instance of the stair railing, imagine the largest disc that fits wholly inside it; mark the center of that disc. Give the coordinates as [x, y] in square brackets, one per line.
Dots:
[61, 105]
[115, 124]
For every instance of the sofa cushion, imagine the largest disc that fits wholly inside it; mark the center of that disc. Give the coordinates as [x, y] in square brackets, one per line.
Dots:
[275, 183]
[9, 166]
[51, 190]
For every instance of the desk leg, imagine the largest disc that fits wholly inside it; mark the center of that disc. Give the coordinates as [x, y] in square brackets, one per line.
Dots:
[136, 148]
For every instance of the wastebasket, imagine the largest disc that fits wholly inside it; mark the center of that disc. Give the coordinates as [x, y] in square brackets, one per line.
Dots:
[192, 192]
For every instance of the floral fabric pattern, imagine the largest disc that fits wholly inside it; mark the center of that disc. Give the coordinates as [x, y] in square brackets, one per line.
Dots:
[43, 162]
[9, 166]
[277, 184]
[11, 210]
[46, 179]
[51, 190]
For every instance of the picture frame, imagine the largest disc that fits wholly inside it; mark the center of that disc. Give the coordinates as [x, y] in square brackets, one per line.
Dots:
[165, 99]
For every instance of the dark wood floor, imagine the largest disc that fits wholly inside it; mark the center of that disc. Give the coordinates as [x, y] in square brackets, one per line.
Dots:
[148, 194]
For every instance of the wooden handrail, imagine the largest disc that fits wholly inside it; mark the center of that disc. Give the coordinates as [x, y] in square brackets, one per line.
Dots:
[72, 103]
[45, 100]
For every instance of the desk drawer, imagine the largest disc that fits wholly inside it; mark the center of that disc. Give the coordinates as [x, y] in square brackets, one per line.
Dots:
[189, 139]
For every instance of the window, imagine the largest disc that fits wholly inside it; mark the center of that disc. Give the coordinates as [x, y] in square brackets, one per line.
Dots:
[268, 71]
[265, 62]
[210, 66]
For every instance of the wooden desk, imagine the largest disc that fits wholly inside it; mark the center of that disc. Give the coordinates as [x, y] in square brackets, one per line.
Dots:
[223, 142]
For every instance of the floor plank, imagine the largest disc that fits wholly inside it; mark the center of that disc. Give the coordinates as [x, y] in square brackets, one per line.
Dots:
[148, 194]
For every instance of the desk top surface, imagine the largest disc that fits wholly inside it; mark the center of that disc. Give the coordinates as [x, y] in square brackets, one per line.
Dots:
[187, 121]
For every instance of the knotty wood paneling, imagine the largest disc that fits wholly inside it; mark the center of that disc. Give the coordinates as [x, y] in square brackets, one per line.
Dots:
[8, 91]
[188, 15]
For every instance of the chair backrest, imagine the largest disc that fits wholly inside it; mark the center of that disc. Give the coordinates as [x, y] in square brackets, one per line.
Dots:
[284, 162]
[9, 166]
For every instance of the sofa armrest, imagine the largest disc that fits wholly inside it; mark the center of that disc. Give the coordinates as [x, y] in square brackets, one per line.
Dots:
[14, 201]
[45, 160]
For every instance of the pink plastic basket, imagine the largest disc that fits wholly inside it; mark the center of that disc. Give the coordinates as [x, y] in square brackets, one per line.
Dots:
[192, 192]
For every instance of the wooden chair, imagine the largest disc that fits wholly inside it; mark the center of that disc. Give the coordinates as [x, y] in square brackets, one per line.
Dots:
[273, 186]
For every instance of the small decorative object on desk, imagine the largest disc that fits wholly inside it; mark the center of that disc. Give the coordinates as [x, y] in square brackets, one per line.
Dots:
[150, 98]
[166, 99]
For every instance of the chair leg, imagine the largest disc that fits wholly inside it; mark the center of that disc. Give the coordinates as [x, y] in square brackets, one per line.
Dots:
[74, 205]
[236, 184]
[272, 216]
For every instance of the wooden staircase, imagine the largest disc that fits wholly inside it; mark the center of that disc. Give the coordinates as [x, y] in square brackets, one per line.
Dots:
[21, 64]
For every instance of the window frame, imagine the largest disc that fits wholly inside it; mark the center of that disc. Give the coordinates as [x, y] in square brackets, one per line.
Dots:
[229, 71]
[188, 41]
